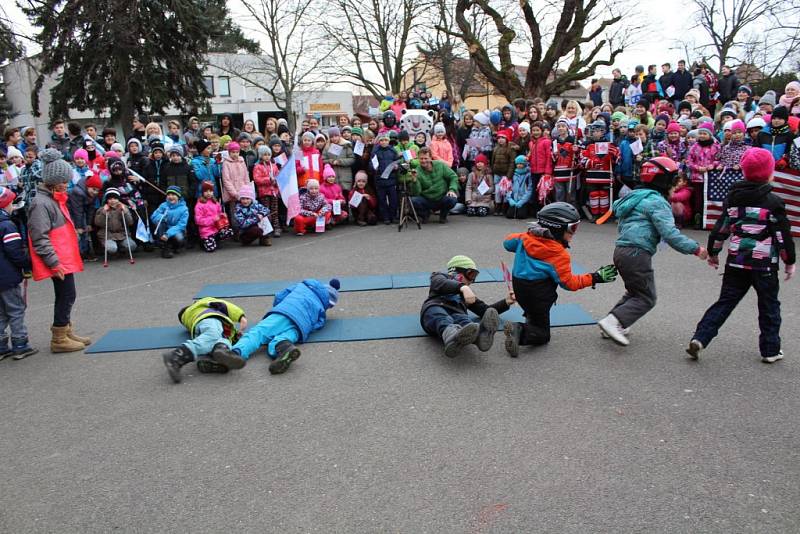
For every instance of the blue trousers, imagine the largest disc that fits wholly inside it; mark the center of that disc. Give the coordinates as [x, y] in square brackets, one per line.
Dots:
[387, 198]
[270, 331]
[436, 318]
[12, 317]
[423, 206]
[208, 333]
[735, 284]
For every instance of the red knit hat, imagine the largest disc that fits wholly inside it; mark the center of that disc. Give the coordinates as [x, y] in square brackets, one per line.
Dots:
[94, 181]
[757, 165]
[674, 127]
[7, 196]
[507, 133]
[481, 158]
[206, 186]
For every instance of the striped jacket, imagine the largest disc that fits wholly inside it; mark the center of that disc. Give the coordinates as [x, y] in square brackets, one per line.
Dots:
[13, 258]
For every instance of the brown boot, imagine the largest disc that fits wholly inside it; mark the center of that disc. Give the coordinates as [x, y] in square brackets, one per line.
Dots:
[75, 337]
[61, 343]
[266, 241]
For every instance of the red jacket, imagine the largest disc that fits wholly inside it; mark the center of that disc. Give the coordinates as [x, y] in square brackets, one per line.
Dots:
[52, 238]
[264, 175]
[314, 169]
[540, 156]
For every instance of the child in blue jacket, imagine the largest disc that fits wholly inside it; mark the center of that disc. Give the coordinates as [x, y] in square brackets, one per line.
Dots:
[645, 218]
[13, 262]
[519, 197]
[296, 311]
[170, 220]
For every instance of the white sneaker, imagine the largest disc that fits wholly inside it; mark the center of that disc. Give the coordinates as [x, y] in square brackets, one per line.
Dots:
[772, 359]
[694, 349]
[626, 331]
[610, 325]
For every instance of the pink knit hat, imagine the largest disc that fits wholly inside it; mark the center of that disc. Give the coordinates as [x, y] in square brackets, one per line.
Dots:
[674, 127]
[328, 171]
[247, 192]
[707, 125]
[233, 145]
[738, 126]
[757, 165]
[82, 154]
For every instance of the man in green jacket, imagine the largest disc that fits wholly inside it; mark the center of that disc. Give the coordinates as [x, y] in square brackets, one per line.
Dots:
[435, 187]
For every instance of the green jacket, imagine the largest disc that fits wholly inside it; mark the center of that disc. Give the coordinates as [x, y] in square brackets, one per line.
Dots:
[399, 148]
[228, 313]
[435, 184]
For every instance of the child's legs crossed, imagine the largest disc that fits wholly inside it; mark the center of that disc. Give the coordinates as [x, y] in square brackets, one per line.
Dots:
[208, 333]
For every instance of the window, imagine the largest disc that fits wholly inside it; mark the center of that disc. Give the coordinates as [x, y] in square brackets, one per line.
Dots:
[208, 83]
[224, 86]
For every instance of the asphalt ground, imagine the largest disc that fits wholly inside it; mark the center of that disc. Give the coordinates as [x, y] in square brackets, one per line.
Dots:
[390, 436]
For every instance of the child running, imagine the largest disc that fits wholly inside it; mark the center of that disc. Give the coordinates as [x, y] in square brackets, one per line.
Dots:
[645, 218]
[755, 219]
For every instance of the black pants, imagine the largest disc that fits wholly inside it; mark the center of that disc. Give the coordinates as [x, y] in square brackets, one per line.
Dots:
[65, 298]
[535, 298]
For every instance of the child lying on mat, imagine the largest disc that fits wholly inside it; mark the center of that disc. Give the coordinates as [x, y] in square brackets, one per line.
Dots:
[296, 311]
[444, 314]
[212, 323]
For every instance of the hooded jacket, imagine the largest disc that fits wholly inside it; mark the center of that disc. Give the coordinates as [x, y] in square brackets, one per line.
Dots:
[538, 256]
[234, 177]
[172, 218]
[206, 170]
[305, 304]
[755, 220]
[445, 292]
[51, 236]
[645, 218]
[13, 259]
[206, 214]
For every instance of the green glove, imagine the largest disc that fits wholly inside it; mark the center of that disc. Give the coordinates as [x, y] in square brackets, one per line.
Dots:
[605, 274]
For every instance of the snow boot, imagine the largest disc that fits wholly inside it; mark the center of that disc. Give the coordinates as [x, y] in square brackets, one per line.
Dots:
[612, 327]
[222, 354]
[61, 343]
[174, 360]
[513, 331]
[694, 349]
[208, 366]
[487, 328]
[286, 354]
[75, 337]
[456, 337]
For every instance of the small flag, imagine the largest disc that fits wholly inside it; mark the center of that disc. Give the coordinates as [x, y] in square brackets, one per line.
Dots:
[506, 275]
[290, 194]
[142, 234]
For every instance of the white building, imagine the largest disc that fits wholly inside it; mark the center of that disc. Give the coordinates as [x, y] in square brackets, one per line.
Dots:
[233, 80]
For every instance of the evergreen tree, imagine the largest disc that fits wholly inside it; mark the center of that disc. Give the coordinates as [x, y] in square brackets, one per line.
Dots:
[10, 50]
[127, 56]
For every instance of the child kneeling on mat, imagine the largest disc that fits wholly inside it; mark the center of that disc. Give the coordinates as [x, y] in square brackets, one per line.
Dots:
[213, 324]
[296, 311]
[444, 313]
[541, 264]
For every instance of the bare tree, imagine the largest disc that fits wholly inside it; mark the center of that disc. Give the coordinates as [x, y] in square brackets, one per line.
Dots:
[296, 51]
[763, 33]
[374, 40]
[564, 44]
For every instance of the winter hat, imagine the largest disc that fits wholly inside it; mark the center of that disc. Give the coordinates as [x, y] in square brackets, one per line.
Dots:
[206, 186]
[525, 127]
[757, 165]
[664, 118]
[482, 118]
[175, 190]
[684, 104]
[200, 145]
[481, 158]
[781, 112]
[333, 130]
[309, 135]
[506, 134]
[115, 166]
[176, 149]
[134, 141]
[697, 114]
[275, 140]
[157, 145]
[745, 89]
[244, 136]
[403, 136]
[233, 146]
[224, 140]
[693, 92]
[56, 170]
[117, 147]
[111, 192]
[256, 138]
[708, 125]
[78, 154]
[727, 126]
[320, 136]
[357, 131]
[737, 126]
[312, 182]
[686, 123]
[382, 135]
[283, 122]
[333, 291]
[769, 98]
[520, 159]
[264, 149]
[633, 123]
[438, 128]
[618, 116]
[247, 192]
[644, 102]
[495, 117]
[673, 127]
[282, 129]
[692, 134]
[94, 181]
[756, 122]
[461, 262]
[730, 112]
[328, 171]
[7, 196]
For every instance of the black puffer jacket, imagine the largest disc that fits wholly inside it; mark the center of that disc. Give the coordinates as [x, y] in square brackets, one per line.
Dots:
[445, 291]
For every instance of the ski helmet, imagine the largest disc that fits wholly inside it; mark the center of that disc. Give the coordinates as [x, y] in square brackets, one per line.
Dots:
[463, 265]
[659, 174]
[389, 118]
[559, 217]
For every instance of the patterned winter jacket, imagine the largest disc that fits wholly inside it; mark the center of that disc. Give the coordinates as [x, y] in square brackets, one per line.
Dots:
[701, 156]
[248, 216]
[755, 220]
[730, 155]
[313, 206]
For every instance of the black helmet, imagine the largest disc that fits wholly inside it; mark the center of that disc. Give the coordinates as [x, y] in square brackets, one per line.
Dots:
[389, 114]
[559, 217]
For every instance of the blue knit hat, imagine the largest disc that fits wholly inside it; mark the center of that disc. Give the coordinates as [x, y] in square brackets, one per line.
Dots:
[333, 292]
[175, 190]
[520, 159]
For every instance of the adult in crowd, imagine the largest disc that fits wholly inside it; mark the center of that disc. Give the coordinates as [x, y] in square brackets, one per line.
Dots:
[226, 126]
[728, 85]
[682, 82]
[665, 81]
[596, 93]
[616, 93]
[55, 253]
[434, 188]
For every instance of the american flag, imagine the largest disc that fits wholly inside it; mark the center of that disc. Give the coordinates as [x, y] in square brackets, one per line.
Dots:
[785, 184]
[718, 184]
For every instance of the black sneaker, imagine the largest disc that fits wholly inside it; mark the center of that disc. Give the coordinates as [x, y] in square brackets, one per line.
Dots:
[166, 252]
[222, 354]
[5, 352]
[208, 366]
[287, 353]
[174, 360]
[512, 331]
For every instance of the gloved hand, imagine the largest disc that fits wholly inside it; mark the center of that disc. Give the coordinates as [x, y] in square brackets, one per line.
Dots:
[789, 270]
[605, 274]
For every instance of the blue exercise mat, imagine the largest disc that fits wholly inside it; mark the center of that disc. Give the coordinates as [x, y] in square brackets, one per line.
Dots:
[336, 330]
[349, 283]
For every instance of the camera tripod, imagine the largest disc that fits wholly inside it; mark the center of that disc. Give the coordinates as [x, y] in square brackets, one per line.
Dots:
[407, 211]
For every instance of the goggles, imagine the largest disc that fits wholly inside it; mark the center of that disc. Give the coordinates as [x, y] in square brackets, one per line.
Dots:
[573, 227]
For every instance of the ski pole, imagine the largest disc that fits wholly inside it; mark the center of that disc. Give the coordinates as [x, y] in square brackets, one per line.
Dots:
[105, 244]
[127, 239]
